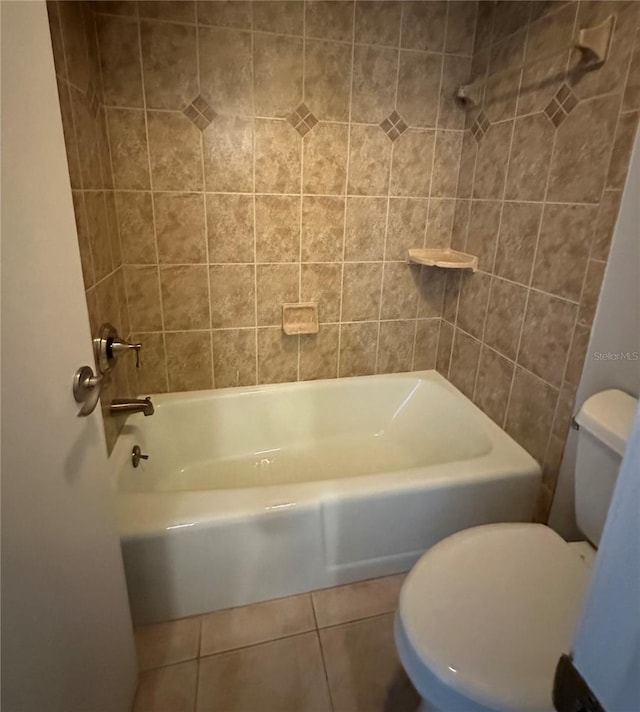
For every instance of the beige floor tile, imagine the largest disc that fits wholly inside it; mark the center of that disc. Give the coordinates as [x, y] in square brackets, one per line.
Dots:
[281, 676]
[357, 600]
[257, 623]
[363, 669]
[168, 689]
[167, 643]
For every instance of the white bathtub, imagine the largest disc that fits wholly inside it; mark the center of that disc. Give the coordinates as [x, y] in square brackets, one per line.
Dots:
[255, 493]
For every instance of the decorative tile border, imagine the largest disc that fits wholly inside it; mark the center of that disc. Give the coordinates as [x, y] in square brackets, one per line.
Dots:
[200, 113]
[302, 119]
[562, 104]
[394, 126]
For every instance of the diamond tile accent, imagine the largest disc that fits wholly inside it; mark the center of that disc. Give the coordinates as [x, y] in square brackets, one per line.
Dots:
[551, 108]
[302, 119]
[480, 126]
[394, 126]
[200, 113]
[562, 104]
[570, 103]
[558, 118]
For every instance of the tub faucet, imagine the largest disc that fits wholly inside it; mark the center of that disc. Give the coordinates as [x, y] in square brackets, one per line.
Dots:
[135, 405]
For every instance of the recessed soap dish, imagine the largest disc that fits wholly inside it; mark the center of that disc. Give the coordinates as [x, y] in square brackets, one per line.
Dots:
[443, 257]
[300, 318]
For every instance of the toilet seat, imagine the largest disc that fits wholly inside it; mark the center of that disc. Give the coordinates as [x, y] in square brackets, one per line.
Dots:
[485, 614]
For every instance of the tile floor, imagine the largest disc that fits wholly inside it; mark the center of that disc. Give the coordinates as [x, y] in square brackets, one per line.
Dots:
[327, 650]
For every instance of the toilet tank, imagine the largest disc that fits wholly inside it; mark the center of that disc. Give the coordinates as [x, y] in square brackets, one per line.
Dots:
[604, 422]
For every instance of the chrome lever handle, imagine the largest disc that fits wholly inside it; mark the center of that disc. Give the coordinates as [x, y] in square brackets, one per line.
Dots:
[86, 389]
[118, 346]
[107, 346]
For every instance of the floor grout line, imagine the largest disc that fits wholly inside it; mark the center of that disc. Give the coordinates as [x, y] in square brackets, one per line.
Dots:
[306, 629]
[316, 629]
[325, 670]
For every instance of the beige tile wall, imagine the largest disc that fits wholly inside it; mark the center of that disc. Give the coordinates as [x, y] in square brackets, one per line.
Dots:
[228, 157]
[251, 169]
[537, 200]
[78, 73]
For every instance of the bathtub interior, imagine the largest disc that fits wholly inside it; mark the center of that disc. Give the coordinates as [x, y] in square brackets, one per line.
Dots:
[257, 493]
[295, 433]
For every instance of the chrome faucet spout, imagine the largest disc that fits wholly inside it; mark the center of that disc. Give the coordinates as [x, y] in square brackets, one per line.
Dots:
[135, 405]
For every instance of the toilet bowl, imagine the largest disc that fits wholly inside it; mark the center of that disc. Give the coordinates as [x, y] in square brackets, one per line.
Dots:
[486, 613]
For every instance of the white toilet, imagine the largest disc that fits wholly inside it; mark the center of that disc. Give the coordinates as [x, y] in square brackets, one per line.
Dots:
[486, 613]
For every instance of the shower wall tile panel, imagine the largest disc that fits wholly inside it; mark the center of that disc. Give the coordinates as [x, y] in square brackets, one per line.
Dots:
[226, 158]
[543, 163]
[264, 153]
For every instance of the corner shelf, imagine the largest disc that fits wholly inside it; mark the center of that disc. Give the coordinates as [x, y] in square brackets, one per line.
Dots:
[443, 257]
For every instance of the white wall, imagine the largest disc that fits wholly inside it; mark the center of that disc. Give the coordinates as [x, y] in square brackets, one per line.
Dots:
[616, 329]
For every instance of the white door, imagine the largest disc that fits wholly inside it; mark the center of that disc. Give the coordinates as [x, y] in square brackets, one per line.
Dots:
[606, 649]
[67, 643]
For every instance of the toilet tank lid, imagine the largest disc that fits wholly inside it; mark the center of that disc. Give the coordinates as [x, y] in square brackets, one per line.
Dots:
[608, 416]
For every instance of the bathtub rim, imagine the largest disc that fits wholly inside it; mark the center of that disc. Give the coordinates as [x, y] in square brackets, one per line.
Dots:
[142, 514]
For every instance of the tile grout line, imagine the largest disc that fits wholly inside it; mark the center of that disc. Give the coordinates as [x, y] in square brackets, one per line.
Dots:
[510, 360]
[113, 189]
[272, 33]
[530, 286]
[309, 262]
[388, 199]
[198, 656]
[326, 671]
[302, 147]
[68, 85]
[153, 207]
[322, 656]
[428, 199]
[544, 209]
[346, 196]
[423, 271]
[499, 227]
[143, 265]
[529, 290]
[448, 199]
[471, 193]
[253, 202]
[325, 122]
[524, 316]
[102, 113]
[440, 322]
[276, 326]
[204, 201]
[458, 277]
[247, 646]
[104, 188]
[422, 128]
